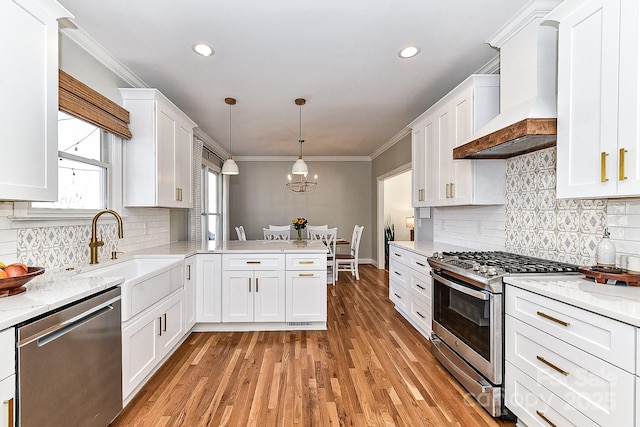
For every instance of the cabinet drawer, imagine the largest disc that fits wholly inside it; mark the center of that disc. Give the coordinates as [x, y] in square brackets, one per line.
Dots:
[421, 315]
[598, 335]
[399, 255]
[421, 287]
[598, 389]
[7, 352]
[306, 261]
[534, 405]
[253, 262]
[399, 295]
[400, 273]
[419, 263]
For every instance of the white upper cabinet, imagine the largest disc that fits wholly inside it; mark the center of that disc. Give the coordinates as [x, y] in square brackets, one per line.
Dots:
[598, 98]
[438, 179]
[29, 107]
[158, 158]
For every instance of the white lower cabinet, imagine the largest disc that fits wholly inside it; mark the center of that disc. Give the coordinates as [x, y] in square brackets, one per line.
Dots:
[8, 399]
[7, 377]
[410, 287]
[209, 288]
[189, 293]
[306, 296]
[148, 338]
[566, 365]
[253, 296]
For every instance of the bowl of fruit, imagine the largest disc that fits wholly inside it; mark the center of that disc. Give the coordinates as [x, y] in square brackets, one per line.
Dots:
[14, 276]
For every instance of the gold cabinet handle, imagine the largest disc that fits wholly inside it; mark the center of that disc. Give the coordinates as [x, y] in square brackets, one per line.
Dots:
[422, 194]
[256, 284]
[547, 420]
[446, 191]
[189, 272]
[249, 284]
[451, 191]
[177, 194]
[553, 319]
[305, 274]
[160, 328]
[305, 262]
[603, 167]
[621, 176]
[9, 403]
[164, 329]
[552, 366]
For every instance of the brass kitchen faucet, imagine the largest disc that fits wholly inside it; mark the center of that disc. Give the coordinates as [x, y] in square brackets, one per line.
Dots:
[94, 244]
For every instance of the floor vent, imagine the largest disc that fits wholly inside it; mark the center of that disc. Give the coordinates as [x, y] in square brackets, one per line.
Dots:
[298, 323]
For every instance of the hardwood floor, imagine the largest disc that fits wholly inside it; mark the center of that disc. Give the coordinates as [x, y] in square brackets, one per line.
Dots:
[370, 368]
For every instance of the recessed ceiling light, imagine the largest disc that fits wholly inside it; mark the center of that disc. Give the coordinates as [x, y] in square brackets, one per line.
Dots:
[203, 49]
[409, 52]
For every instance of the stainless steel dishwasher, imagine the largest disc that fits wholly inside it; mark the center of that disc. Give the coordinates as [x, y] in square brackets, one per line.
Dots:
[70, 365]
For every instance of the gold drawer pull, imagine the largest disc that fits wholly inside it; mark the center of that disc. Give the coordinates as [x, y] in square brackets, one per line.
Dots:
[254, 262]
[603, 167]
[306, 262]
[547, 420]
[305, 274]
[552, 366]
[621, 176]
[553, 319]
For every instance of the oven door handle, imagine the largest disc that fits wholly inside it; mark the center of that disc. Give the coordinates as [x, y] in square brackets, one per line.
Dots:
[465, 290]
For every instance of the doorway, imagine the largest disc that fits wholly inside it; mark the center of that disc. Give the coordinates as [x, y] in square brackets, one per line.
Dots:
[394, 207]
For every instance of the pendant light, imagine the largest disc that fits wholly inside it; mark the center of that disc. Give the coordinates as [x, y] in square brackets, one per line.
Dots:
[299, 183]
[230, 167]
[300, 167]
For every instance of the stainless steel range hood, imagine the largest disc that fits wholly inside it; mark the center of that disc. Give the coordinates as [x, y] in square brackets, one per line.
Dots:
[528, 62]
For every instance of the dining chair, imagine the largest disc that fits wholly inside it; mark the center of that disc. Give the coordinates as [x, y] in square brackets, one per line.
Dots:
[276, 234]
[279, 227]
[328, 237]
[311, 228]
[349, 262]
[240, 232]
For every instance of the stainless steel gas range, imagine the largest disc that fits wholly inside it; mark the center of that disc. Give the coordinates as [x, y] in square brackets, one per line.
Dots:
[468, 317]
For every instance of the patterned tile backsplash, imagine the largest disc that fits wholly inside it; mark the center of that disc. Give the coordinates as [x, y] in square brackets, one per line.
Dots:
[538, 224]
[53, 247]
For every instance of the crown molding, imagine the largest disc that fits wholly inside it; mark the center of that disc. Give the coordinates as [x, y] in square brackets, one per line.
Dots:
[210, 143]
[95, 49]
[491, 67]
[393, 141]
[537, 9]
[306, 158]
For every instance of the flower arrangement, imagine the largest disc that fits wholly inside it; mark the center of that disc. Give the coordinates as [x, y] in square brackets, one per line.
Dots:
[299, 224]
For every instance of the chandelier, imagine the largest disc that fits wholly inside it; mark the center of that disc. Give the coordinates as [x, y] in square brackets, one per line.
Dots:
[299, 183]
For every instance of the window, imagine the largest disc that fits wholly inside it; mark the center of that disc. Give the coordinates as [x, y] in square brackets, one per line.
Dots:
[83, 166]
[211, 203]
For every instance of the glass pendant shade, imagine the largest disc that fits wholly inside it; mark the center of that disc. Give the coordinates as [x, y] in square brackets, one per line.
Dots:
[230, 167]
[300, 167]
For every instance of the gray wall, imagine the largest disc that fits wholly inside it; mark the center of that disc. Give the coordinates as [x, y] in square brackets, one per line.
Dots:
[258, 197]
[398, 155]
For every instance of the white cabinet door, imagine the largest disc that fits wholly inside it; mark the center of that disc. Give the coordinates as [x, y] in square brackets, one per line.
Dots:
[8, 401]
[209, 288]
[269, 296]
[189, 293]
[172, 323]
[158, 158]
[237, 296]
[29, 107]
[306, 296]
[588, 52]
[140, 350]
[7, 352]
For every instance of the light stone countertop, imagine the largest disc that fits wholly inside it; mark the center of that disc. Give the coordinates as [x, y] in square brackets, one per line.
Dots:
[427, 248]
[617, 302]
[57, 288]
[49, 293]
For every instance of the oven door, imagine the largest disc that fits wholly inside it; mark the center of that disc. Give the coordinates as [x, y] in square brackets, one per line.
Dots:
[469, 321]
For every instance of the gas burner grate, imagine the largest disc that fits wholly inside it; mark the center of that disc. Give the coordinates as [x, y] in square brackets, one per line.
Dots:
[459, 263]
[514, 263]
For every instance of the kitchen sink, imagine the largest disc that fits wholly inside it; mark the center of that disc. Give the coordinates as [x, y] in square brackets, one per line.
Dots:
[147, 280]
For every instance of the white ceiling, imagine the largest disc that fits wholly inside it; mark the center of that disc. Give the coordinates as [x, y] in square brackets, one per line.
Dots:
[341, 55]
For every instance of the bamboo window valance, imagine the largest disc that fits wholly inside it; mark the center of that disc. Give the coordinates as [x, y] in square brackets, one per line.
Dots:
[79, 100]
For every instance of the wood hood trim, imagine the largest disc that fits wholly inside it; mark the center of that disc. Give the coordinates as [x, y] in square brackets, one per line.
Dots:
[541, 132]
